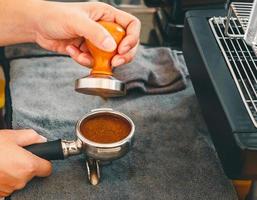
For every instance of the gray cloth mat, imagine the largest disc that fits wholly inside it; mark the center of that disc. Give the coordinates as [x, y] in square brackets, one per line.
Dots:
[171, 157]
[25, 50]
[153, 71]
[33, 50]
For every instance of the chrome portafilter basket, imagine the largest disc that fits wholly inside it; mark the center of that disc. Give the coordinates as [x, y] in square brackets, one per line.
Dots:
[95, 153]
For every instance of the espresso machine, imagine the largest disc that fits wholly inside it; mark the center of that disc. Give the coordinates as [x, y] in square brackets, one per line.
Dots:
[169, 18]
[220, 51]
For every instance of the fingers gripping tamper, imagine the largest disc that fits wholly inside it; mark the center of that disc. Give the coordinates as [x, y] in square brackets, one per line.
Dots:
[101, 81]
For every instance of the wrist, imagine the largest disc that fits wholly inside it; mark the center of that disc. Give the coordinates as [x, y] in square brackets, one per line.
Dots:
[31, 12]
[48, 22]
[18, 21]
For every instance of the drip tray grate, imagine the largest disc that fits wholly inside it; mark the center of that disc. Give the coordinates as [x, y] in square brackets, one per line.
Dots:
[241, 60]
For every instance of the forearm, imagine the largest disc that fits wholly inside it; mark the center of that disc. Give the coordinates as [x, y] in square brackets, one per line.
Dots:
[17, 21]
[63, 27]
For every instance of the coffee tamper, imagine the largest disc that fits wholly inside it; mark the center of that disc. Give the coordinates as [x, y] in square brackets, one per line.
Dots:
[100, 81]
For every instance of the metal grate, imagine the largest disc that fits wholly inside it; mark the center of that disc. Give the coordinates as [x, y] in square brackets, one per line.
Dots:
[239, 12]
[241, 60]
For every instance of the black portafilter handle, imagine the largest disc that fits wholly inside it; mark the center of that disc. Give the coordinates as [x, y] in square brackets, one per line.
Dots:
[49, 150]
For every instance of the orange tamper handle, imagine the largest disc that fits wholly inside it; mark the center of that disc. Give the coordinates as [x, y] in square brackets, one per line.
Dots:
[102, 59]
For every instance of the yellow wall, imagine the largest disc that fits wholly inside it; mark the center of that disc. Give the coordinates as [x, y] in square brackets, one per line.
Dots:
[2, 88]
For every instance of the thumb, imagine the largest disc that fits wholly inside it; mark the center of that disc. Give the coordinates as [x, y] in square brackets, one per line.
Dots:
[23, 137]
[95, 33]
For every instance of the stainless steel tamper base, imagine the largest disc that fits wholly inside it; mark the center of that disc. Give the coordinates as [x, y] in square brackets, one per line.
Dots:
[100, 85]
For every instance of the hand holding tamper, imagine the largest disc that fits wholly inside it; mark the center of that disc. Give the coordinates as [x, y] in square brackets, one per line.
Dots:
[101, 81]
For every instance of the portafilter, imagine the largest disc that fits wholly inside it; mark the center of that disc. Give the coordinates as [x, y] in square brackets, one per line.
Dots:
[95, 153]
